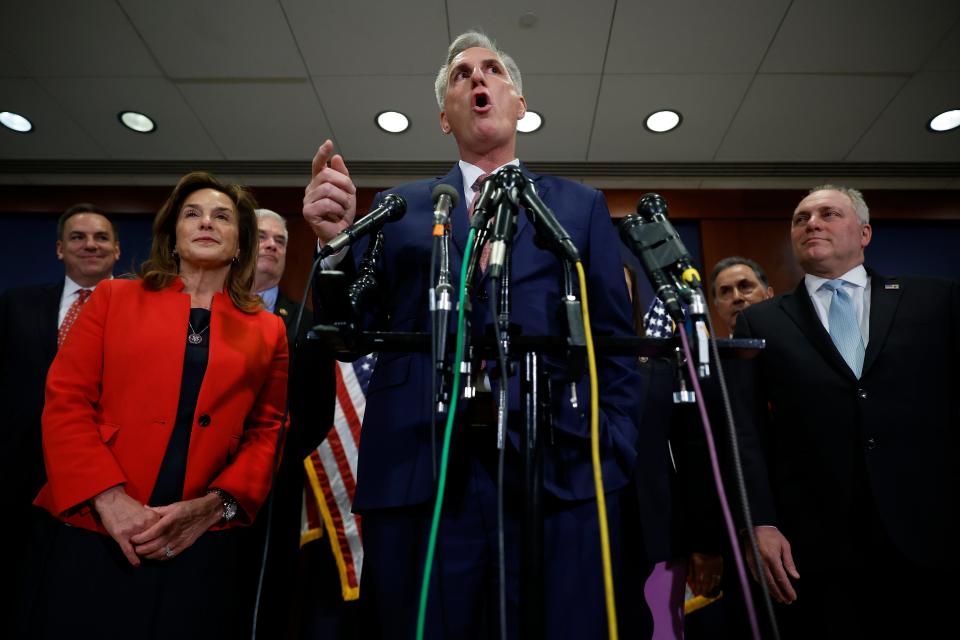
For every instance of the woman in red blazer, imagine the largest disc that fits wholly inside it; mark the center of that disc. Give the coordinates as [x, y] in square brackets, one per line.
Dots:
[163, 409]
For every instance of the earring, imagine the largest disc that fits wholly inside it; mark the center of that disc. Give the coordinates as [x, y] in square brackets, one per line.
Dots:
[174, 253]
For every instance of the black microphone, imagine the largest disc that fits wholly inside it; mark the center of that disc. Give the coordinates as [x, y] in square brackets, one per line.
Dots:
[509, 179]
[664, 243]
[390, 209]
[658, 247]
[444, 199]
[484, 207]
[546, 223]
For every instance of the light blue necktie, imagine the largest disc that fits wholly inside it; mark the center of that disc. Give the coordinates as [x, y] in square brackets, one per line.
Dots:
[844, 328]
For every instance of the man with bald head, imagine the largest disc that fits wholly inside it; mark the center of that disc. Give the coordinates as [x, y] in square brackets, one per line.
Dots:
[480, 98]
[851, 473]
[34, 321]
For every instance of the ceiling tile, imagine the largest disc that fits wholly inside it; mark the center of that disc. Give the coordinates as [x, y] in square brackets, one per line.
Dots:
[859, 36]
[260, 120]
[706, 103]
[566, 104]
[218, 38]
[569, 37]
[90, 38]
[691, 36]
[369, 37]
[946, 57]
[54, 135]
[900, 134]
[352, 105]
[96, 103]
[805, 118]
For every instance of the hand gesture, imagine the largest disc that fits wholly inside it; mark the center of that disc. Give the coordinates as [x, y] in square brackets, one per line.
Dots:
[123, 518]
[330, 200]
[178, 526]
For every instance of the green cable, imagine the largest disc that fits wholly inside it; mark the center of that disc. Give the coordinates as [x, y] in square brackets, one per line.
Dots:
[445, 453]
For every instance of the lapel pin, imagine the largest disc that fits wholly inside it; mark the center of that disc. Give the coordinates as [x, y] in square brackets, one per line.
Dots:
[282, 312]
[891, 285]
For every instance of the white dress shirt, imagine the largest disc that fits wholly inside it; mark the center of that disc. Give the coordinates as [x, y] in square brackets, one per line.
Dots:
[857, 284]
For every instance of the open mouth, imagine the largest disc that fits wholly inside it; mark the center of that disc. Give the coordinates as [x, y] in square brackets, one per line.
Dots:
[481, 102]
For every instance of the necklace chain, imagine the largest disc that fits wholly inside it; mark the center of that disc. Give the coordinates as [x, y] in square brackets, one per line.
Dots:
[195, 337]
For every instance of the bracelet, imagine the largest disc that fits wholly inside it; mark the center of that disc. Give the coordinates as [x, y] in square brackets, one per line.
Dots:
[229, 504]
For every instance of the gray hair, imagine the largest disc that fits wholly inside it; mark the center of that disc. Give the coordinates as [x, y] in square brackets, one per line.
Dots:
[267, 213]
[732, 261]
[856, 199]
[469, 40]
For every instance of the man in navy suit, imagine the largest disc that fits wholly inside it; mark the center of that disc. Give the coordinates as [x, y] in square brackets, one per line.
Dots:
[852, 472]
[32, 319]
[479, 93]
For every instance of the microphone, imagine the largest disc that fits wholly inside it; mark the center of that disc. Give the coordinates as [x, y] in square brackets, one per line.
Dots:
[444, 199]
[665, 243]
[509, 179]
[390, 209]
[545, 222]
[483, 208]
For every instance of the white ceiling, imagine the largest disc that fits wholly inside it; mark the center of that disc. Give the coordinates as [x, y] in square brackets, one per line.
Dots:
[771, 91]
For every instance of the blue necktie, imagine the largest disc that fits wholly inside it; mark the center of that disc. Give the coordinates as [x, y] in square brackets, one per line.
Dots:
[844, 328]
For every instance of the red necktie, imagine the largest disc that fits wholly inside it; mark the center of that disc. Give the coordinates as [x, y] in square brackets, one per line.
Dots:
[485, 255]
[71, 316]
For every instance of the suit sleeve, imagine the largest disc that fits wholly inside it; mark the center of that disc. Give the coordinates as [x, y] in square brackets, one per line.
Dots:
[79, 463]
[619, 377]
[248, 475]
[749, 404]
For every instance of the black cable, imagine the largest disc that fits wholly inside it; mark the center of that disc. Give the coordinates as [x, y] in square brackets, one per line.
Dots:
[433, 357]
[277, 452]
[741, 484]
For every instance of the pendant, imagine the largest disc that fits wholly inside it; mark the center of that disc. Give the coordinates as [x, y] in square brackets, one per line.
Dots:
[194, 338]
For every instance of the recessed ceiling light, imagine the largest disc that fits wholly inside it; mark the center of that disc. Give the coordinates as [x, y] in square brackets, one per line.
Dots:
[15, 122]
[530, 122]
[393, 121]
[137, 121]
[945, 121]
[662, 121]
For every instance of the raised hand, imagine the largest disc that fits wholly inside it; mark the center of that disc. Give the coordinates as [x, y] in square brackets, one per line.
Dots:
[330, 200]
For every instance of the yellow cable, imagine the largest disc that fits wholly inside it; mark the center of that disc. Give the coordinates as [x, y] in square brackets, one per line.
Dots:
[595, 454]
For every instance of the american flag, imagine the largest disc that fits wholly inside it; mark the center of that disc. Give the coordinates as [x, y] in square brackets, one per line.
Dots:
[332, 476]
[656, 322]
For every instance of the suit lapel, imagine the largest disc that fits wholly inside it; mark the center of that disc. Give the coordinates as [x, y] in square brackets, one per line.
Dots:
[51, 314]
[884, 298]
[459, 222]
[799, 307]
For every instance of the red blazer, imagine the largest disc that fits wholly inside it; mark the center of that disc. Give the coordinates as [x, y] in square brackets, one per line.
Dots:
[112, 395]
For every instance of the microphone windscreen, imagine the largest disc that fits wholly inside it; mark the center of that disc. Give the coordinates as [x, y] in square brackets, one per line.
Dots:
[444, 189]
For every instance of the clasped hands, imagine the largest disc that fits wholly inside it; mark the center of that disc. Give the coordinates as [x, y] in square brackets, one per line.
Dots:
[155, 533]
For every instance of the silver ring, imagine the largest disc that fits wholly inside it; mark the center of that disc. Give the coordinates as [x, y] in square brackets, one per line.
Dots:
[168, 552]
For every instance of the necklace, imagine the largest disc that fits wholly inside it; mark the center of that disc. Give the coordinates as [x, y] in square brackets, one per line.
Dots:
[195, 337]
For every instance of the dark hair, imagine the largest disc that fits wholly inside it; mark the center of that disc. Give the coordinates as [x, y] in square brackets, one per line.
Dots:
[163, 266]
[84, 207]
[733, 261]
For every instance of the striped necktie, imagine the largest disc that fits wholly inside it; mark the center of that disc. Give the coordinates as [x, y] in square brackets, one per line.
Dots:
[72, 313]
[844, 328]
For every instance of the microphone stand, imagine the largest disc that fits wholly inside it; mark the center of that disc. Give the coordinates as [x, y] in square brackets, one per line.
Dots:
[441, 304]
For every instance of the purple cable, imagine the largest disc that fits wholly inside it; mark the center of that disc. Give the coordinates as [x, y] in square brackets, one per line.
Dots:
[721, 492]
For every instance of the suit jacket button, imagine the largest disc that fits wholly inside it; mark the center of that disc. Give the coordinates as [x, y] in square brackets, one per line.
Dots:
[862, 394]
[204, 420]
[871, 444]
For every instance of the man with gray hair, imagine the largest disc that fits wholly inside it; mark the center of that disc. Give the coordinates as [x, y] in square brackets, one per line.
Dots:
[851, 472]
[478, 91]
[736, 283]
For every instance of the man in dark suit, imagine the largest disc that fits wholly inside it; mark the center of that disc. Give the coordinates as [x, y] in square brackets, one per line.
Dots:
[479, 94]
[852, 476]
[32, 321]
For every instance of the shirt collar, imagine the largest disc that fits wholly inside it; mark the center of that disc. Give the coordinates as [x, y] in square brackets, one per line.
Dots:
[269, 297]
[471, 172]
[70, 287]
[856, 276]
